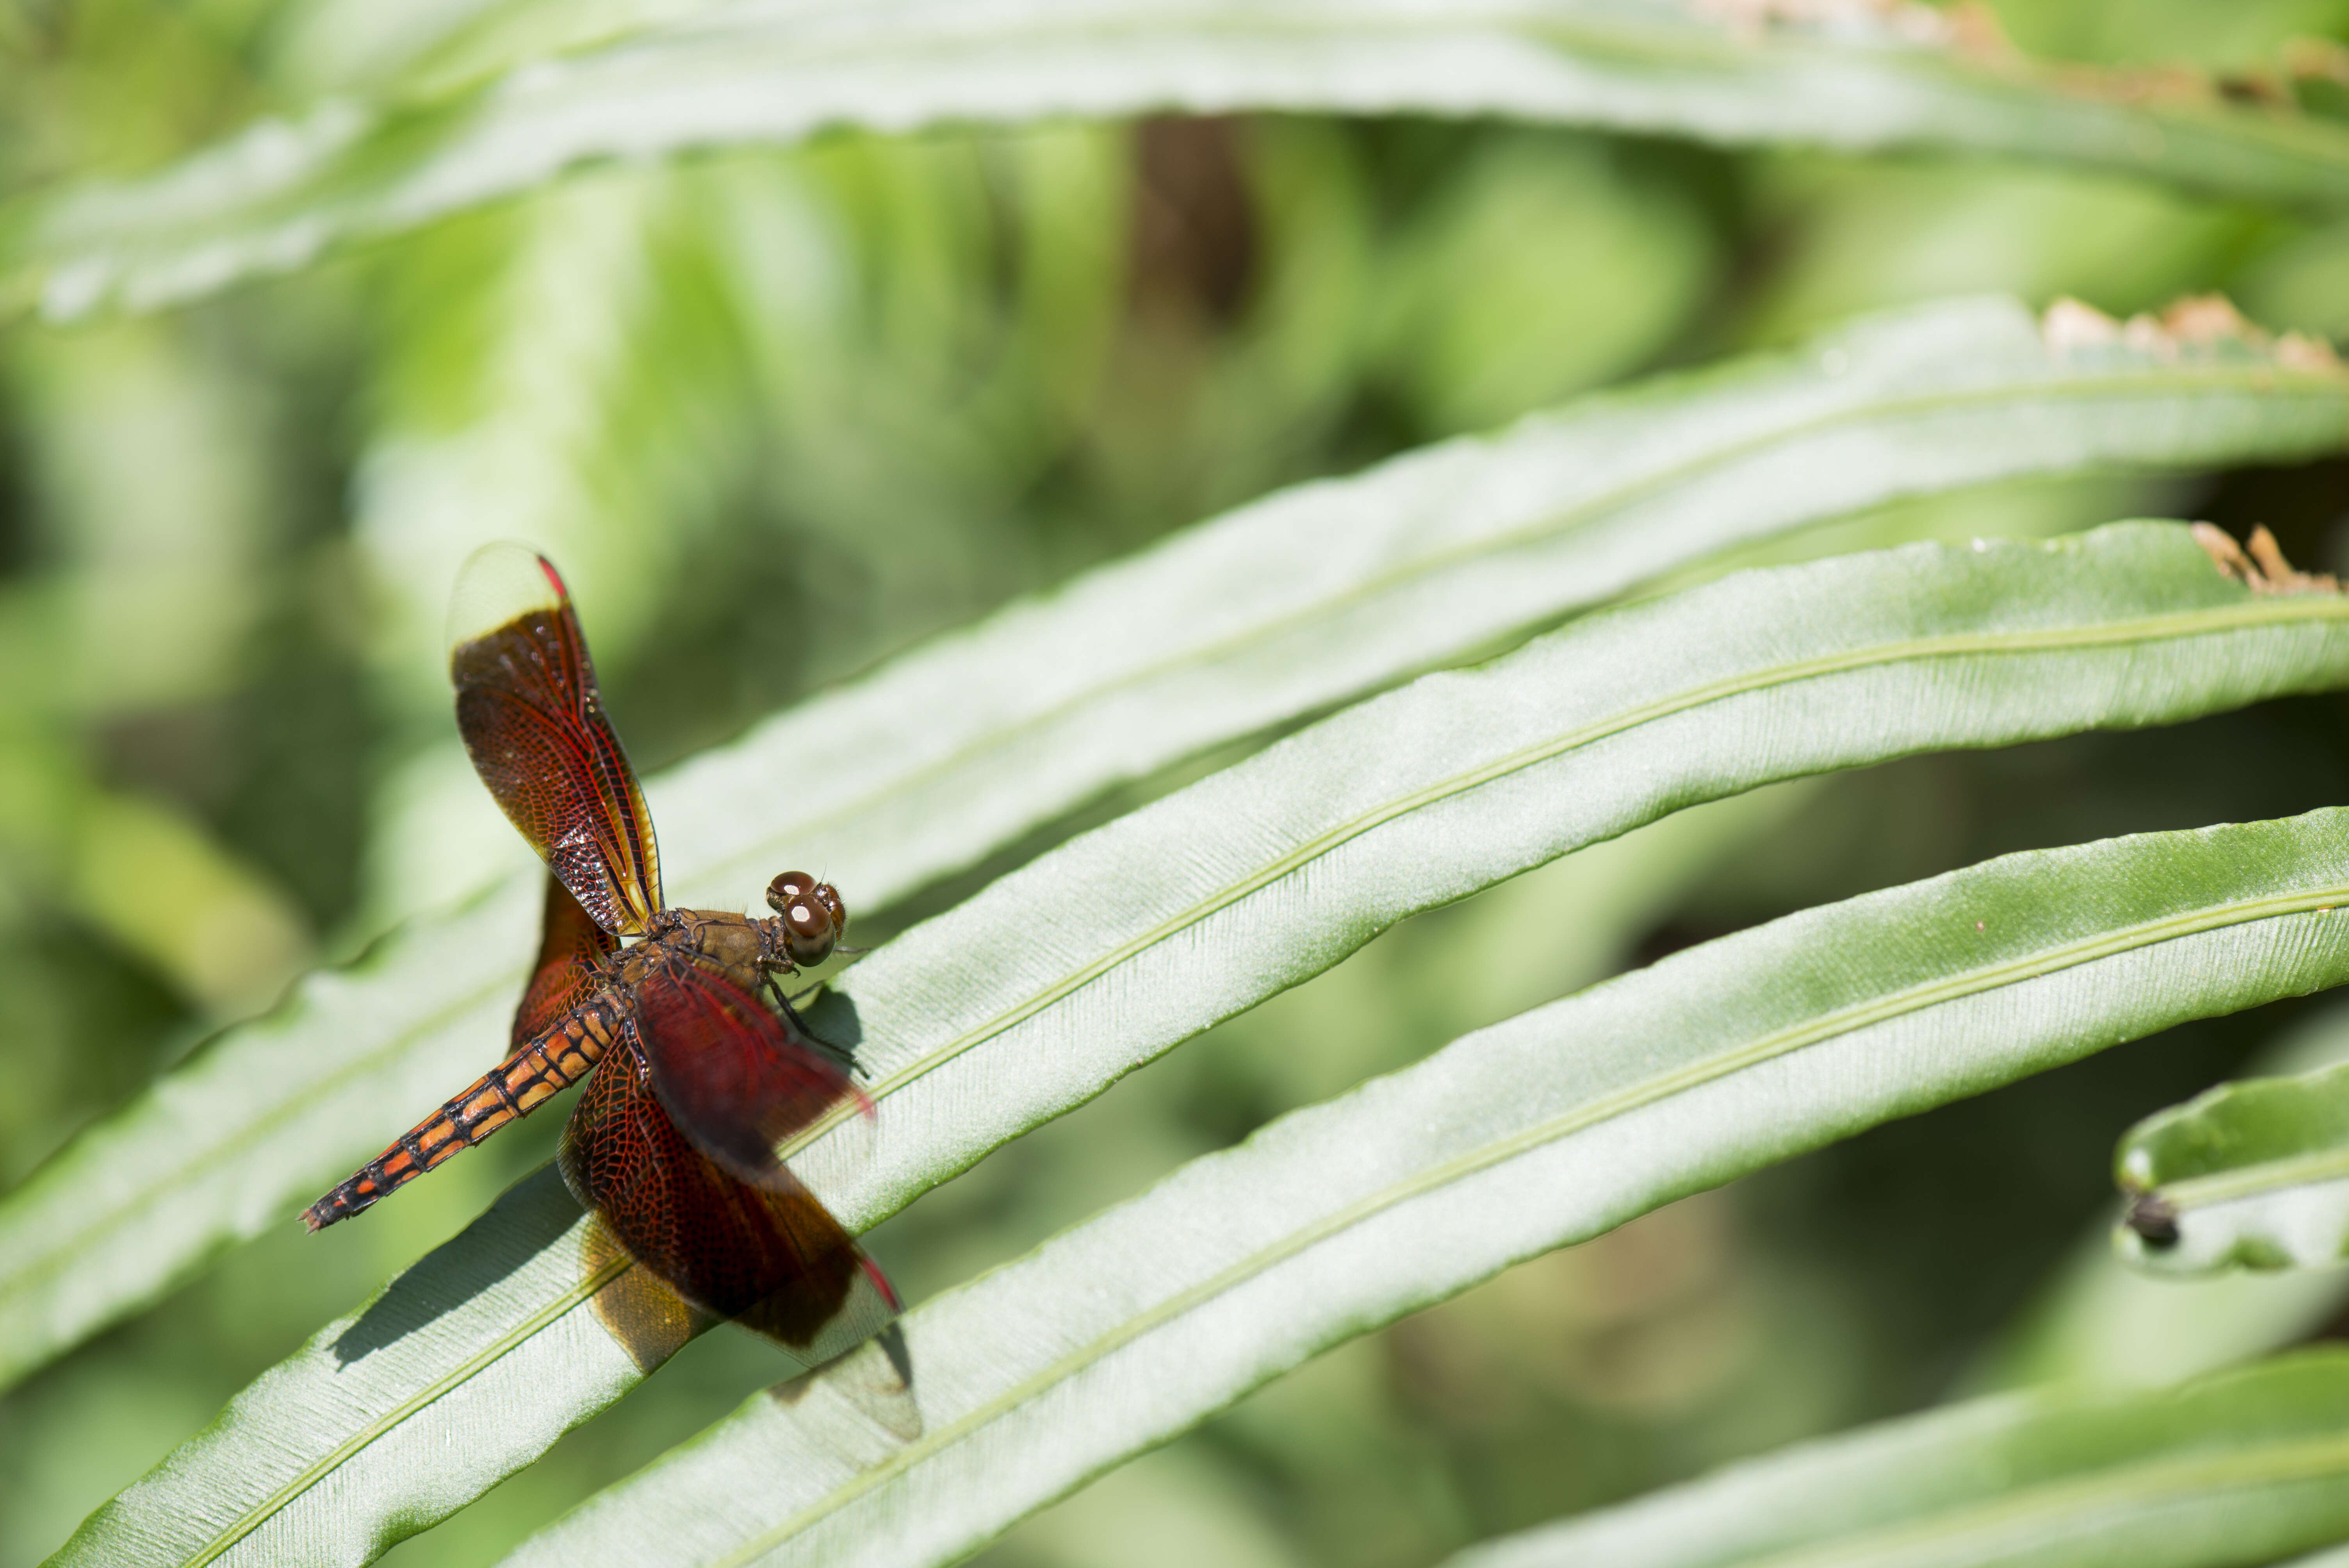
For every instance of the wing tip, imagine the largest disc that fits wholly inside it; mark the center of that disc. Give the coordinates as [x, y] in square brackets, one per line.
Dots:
[498, 583]
[881, 1283]
[870, 1305]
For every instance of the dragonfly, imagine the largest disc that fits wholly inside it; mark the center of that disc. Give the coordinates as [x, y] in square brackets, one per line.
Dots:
[693, 1079]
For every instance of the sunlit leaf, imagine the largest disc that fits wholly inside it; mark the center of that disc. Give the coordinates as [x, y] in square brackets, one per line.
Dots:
[1548, 1128]
[1048, 986]
[2232, 1469]
[1299, 600]
[282, 192]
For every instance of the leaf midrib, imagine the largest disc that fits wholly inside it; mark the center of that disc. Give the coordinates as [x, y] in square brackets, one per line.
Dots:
[2249, 614]
[320, 1468]
[1639, 1096]
[2129, 1487]
[2151, 382]
[2255, 1180]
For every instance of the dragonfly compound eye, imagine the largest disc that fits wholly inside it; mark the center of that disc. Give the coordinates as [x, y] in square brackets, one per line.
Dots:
[813, 915]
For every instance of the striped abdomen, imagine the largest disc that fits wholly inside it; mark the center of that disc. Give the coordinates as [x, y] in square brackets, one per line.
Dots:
[552, 1062]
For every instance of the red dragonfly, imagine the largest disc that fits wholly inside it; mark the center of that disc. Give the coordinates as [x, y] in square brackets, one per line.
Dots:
[695, 1078]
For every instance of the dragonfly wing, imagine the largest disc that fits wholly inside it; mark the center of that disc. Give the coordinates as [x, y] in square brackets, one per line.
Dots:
[771, 1257]
[564, 974]
[735, 1077]
[533, 721]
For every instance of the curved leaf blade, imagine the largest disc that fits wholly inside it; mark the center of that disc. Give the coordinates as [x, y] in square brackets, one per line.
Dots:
[2230, 1468]
[1057, 979]
[1301, 599]
[281, 193]
[2253, 1174]
[2099, 1323]
[1549, 1129]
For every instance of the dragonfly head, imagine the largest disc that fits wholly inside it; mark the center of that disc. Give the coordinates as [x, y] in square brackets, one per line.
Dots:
[811, 915]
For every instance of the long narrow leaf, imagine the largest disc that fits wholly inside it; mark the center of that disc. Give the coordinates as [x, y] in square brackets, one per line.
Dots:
[1299, 600]
[2232, 1469]
[1549, 1129]
[1048, 986]
[280, 194]
[2252, 1174]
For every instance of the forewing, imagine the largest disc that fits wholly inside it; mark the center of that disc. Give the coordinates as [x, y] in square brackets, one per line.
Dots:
[564, 974]
[735, 1077]
[533, 723]
[769, 1257]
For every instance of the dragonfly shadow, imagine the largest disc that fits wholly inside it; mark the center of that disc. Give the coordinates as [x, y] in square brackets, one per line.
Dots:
[831, 1022]
[864, 1403]
[533, 1215]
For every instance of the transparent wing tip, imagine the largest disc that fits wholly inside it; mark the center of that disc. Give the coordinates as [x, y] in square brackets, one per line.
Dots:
[498, 584]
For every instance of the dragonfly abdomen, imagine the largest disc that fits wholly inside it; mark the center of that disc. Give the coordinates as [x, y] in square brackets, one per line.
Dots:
[559, 1056]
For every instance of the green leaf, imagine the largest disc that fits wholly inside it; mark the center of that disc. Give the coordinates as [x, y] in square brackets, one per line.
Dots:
[280, 193]
[1549, 1129]
[2252, 1174]
[1055, 980]
[1296, 602]
[2232, 1469]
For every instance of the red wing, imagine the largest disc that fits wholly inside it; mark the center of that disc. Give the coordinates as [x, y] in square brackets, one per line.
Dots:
[533, 723]
[771, 1258]
[564, 974]
[735, 1079]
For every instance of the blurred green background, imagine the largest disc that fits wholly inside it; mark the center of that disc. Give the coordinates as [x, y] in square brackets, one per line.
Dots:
[780, 415]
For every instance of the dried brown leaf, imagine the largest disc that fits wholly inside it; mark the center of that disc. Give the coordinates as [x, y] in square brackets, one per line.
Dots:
[2264, 570]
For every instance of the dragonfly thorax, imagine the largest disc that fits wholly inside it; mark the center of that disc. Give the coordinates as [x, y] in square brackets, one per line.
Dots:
[740, 947]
